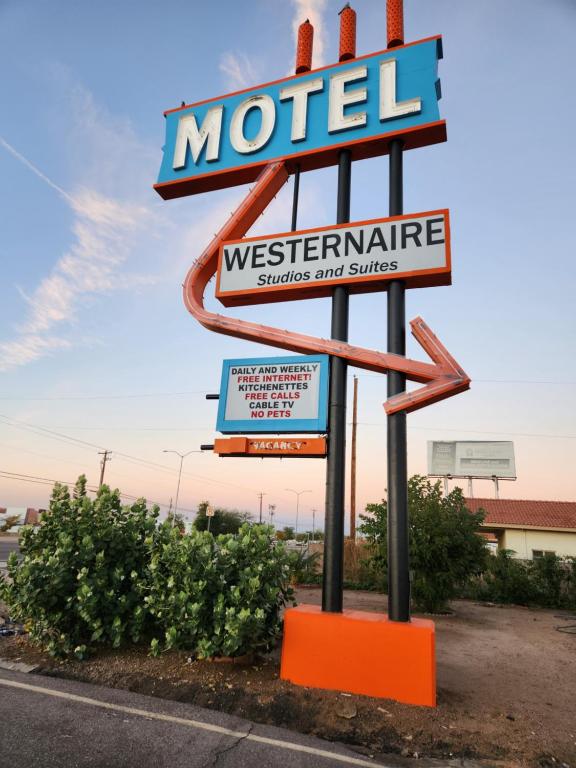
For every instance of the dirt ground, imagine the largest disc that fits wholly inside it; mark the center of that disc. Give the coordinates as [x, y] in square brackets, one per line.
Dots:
[506, 689]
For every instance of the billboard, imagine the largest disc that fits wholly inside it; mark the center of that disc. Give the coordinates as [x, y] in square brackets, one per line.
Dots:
[362, 255]
[472, 458]
[274, 395]
[358, 104]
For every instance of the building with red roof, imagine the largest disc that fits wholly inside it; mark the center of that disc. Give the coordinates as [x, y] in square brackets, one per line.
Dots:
[529, 528]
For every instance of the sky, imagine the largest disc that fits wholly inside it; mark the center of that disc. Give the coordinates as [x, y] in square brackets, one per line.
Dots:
[97, 350]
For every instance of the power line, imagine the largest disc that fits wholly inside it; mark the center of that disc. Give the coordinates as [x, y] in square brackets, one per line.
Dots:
[525, 381]
[487, 381]
[362, 423]
[105, 397]
[37, 480]
[473, 431]
[19, 449]
[487, 432]
[184, 393]
[43, 431]
[19, 476]
[136, 429]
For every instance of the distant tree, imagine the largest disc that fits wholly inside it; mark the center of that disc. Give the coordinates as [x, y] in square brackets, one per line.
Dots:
[224, 520]
[175, 521]
[8, 522]
[445, 548]
[288, 532]
[302, 536]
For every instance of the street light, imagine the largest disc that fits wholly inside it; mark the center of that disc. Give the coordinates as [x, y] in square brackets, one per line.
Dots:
[298, 494]
[182, 457]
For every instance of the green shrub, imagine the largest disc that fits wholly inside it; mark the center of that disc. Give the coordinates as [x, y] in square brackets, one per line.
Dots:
[547, 575]
[176, 592]
[548, 581]
[223, 520]
[219, 596]
[253, 582]
[570, 583]
[506, 580]
[304, 566]
[78, 583]
[97, 573]
[445, 548]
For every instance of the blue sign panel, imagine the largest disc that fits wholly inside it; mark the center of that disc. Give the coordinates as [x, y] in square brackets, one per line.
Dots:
[274, 395]
[359, 104]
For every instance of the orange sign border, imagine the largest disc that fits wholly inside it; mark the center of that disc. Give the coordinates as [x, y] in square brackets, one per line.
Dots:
[322, 288]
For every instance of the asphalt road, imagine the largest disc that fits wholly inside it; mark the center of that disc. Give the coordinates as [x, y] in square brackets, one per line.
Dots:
[7, 545]
[50, 723]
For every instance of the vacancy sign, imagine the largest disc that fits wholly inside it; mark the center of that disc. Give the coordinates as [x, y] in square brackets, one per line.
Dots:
[264, 447]
[361, 255]
[306, 119]
[276, 394]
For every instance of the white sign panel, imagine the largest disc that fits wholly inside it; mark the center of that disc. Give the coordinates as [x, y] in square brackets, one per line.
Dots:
[361, 255]
[276, 394]
[472, 458]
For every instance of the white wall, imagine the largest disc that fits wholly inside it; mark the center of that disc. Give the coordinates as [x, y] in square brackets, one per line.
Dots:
[524, 541]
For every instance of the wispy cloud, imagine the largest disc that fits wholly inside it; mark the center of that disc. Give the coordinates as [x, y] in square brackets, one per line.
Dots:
[240, 70]
[28, 347]
[14, 152]
[104, 232]
[312, 10]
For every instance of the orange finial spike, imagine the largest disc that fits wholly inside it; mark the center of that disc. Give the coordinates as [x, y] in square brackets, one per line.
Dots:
[395, 22]
[304, 47]
[347, 33]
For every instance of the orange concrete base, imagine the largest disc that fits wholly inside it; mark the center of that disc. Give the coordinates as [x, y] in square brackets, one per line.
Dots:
[360, 652]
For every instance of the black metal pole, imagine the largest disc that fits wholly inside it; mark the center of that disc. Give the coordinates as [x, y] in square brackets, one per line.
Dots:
[398, 546]
[295, 198]
[333, 575]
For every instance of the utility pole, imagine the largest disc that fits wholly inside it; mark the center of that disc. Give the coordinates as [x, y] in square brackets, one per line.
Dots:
[314, 524]
[260, 496]
[105, 457]
[182, 457]
[353, 462]
[298, 494]
[209, 515]
[271, 511]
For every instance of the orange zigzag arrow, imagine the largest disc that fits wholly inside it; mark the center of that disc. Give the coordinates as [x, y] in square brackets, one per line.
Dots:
[442, 379]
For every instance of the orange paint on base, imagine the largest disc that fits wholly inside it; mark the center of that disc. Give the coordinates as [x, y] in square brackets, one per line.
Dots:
[360, 652]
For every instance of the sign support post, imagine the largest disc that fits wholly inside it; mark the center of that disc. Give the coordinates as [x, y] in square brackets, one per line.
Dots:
[398, 544]
[333, 575]
[398, 563]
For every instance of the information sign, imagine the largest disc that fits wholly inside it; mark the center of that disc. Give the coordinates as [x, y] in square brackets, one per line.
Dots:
[362, 255]
[472, 458]
[274, 395]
